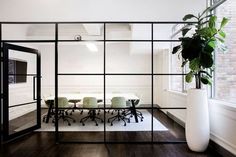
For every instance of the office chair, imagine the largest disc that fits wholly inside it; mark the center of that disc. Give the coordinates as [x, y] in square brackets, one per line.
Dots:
[63, 103]
[91, 104]
[120, 104]
[74, 107]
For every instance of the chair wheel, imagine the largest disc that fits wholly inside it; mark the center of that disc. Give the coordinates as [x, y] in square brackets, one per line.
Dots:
[141, 120]
[83, 124]
[108, 121]
[74, 121]
[111, 124]
[128, 121]
[125, 124]
[131, 116]
[96, 124]
[101, 121]
[69, 124]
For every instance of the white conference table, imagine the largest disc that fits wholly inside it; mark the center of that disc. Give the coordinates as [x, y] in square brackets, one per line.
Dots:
[99, 96]
[78, 97]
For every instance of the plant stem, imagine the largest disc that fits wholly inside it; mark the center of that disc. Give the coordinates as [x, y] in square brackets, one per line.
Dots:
[198, 80]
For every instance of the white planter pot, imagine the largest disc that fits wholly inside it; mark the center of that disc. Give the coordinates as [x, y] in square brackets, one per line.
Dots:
[197, 121]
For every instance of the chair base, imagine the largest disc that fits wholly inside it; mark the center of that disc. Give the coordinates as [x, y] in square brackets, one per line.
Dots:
[119, 116]
[65, 118]
[92, 116]
[139, 114]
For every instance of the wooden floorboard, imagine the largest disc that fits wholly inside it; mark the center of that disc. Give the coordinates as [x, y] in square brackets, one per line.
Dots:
[42, 144]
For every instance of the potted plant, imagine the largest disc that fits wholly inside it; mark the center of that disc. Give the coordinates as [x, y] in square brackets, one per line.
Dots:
[198, 43]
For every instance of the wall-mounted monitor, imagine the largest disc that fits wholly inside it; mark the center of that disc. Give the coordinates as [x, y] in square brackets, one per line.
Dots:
[17, 71]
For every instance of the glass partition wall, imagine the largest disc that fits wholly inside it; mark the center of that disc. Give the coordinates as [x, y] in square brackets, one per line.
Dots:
[106, 82]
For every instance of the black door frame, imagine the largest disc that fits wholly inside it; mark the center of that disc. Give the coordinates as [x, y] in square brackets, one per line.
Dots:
[6, 48]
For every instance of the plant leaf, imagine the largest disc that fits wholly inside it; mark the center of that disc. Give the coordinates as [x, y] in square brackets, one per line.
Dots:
[212, 21]
[185, 31]
[194, 64]
[212, 43]
[222, 34]
[206, 80]
[206, 60]
[176, 49]
[184, 63]
[188, 16]
[220, 39]
[224, 22]
[189, 77]
[205, 72]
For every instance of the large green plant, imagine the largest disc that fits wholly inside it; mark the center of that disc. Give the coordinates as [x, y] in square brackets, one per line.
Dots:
[198, 48]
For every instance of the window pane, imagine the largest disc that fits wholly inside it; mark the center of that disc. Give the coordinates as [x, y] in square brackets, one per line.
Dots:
[225, 75]
[176, 83]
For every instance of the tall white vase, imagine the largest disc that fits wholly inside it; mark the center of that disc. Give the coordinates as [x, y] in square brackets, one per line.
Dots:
[197, 121]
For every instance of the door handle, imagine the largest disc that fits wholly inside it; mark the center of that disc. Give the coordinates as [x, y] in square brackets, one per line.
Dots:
[34, 97]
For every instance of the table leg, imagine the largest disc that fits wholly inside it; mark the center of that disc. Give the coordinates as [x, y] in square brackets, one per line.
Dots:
[49, 112]
[133, 110]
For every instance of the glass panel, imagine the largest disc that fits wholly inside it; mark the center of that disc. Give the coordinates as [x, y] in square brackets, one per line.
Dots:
[128, 57]
[168, 127]
[166, 31]
[75, 88]
[21, 63]
[21, 93]
[125, 89]
[81, 32]
[165, 125]
[127, 31]
[225, 76]
[161, 55]
[28, 32]
[175, 63]
[22, 117]
[169, 31]
[86, 57]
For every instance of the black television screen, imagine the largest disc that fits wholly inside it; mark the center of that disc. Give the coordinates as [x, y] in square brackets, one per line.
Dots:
[17, 71]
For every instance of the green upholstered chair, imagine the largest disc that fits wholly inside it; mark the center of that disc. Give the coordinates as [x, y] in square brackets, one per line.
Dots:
[63, 104]
[119, 103]
[91, 104]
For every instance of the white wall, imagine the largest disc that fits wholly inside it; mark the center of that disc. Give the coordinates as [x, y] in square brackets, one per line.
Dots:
[77, 58]
[93, 10]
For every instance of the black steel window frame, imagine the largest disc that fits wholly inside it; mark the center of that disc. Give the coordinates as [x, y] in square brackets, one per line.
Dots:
[104, 74]
[5, 89]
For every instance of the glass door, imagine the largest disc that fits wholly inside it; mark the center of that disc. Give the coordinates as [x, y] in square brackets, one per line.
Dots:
[21, 91]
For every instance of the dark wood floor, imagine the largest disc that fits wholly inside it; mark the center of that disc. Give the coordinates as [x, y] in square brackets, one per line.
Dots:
[42, 144]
